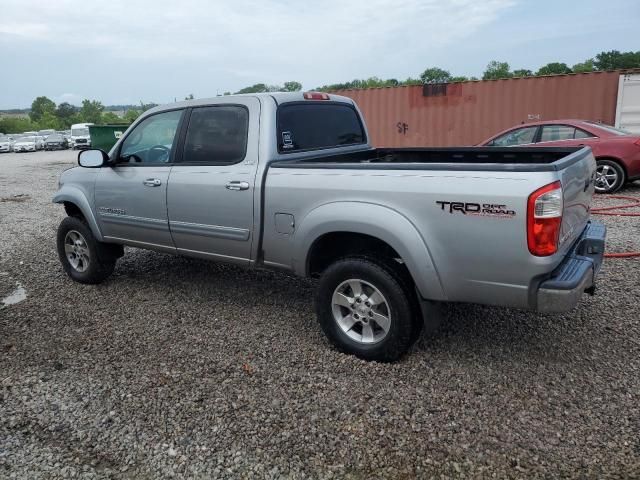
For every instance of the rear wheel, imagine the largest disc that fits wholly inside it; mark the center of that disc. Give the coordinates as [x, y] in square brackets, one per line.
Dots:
[609, 176]
[365, 309]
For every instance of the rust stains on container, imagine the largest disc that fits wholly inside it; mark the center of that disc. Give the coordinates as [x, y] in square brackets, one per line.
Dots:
[466, 113]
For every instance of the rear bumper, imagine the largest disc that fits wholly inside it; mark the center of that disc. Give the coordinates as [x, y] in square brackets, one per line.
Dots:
[576, 274]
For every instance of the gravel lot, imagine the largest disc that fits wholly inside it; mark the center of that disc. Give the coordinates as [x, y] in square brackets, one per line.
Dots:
[180, 368]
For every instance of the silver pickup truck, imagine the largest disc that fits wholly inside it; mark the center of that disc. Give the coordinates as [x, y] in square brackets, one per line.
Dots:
[289, 181]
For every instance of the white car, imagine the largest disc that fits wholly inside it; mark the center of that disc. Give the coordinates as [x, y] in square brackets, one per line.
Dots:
[26, 144]
[5, 143]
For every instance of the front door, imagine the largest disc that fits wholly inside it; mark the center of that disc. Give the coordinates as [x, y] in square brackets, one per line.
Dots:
[131, 195]
[211, 187]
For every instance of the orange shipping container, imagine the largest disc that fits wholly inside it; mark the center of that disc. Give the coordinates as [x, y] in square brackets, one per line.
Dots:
[466, 113]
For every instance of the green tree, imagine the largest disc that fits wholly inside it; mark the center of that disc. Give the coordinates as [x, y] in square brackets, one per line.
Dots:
[496, 70]
[110, 117]
[292, 86]
[586, 66]
[459, 78]
[65, 112]
[16, 124]
[435, 75]
[91, 111]
[554, 68]
[256, 88]
[131, 115]
[49, 120]
[189, 97]
[615, 59]
[40, 106]
[522, 72]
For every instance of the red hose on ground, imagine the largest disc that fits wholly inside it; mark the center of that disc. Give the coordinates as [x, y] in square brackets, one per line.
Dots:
[615, 211]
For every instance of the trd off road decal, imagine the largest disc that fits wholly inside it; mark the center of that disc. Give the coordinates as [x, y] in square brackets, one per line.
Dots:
[477, 209]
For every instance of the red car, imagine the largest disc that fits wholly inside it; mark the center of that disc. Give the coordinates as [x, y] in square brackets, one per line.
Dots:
[617, 152]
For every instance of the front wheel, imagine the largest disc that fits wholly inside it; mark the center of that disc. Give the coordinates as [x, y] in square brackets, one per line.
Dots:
[609, 176]
[83, 258]
[365, 310]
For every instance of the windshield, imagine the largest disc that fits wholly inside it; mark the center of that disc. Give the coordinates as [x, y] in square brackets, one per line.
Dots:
[610, 129]
[27, 139]
[55, 138]
[80, 132]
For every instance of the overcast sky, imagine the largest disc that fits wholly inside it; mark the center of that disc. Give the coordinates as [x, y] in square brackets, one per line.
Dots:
[120, 51]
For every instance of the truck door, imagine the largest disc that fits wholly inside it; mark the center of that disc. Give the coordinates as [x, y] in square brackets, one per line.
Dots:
[211, 187]
[130, 196]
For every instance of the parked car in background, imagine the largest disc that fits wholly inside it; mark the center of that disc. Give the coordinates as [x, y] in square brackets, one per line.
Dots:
[46, 133]
[39, 142]
[26, 144]
[5, 144]
[617, 152]
[80, 135]
[55, 141]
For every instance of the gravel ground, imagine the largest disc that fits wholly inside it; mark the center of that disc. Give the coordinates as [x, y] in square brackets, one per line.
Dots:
[181, 368]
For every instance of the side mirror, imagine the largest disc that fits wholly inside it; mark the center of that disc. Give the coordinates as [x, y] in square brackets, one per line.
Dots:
[93, 158]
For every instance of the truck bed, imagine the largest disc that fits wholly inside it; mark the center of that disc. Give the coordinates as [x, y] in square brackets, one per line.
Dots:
[520, 159]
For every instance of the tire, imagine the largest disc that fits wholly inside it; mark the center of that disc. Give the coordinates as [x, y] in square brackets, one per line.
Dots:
[610, 176]
[378, 326]
[97, 260]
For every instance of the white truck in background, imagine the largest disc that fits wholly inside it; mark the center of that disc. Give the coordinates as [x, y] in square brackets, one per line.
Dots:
[80, 136]
[628, 105]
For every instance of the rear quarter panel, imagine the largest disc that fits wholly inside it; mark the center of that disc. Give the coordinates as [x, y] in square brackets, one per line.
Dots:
[467, 257]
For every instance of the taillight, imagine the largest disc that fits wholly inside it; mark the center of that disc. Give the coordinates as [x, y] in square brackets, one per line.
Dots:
[637, 142]
[316, 96]
[544, 217]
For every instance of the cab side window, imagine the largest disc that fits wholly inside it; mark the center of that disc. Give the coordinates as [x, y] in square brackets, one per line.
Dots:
[217, 135]
[520, 136]
[152, 140]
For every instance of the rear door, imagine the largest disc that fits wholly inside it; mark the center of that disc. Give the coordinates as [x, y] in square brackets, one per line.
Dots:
[211, 187]
[131, 196]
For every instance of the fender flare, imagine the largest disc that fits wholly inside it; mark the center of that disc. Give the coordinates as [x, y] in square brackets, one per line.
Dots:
[377, 221]
[78, 198]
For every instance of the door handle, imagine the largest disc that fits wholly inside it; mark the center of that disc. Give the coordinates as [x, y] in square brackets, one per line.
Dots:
[236, 185]
[152, 182]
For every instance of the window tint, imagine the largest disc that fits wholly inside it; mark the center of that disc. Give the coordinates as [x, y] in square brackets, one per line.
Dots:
[582, 134]
[217, 135]
[553, 133]
[520, 136]
[313, 126]
[152, 140]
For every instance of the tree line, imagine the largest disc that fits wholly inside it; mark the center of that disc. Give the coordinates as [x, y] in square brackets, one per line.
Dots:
[46, 114]
[495, 69]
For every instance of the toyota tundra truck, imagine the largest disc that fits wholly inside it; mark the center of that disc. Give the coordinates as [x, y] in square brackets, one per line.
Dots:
[290, 181]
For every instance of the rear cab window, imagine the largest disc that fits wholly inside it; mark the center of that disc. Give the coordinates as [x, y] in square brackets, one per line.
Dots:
[304, 126]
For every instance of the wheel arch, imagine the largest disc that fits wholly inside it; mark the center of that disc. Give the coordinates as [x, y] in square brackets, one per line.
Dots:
[347, 223]
[74, 201]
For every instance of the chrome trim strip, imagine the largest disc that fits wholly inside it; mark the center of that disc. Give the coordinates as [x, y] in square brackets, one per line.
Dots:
[131, 221]
[214, 231]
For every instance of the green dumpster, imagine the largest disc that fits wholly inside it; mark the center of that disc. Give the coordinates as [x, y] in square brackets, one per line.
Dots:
[105, 136]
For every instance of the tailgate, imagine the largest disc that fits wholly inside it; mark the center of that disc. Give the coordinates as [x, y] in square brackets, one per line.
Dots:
[578, 183]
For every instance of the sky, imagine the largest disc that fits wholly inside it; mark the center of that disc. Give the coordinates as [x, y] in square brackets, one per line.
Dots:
[128, 51]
